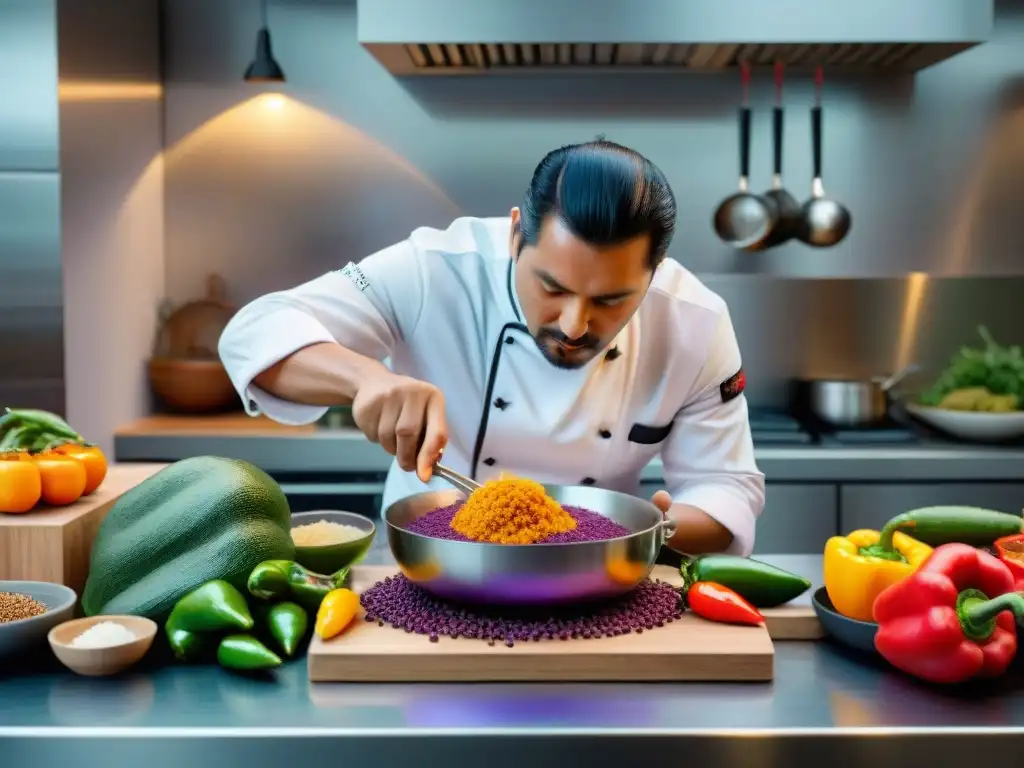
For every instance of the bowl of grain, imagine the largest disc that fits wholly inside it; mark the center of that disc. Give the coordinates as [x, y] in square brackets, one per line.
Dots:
[28, 610]
[327, 541]
[102, 645]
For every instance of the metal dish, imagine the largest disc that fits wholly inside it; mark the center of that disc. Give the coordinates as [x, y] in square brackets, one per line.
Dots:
[855, 634]
[531, 574]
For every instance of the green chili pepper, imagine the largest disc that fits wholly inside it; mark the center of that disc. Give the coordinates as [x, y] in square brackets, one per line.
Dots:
[288, 623]
[245, 653]
[216, 606]
[19, 437]
[44, 421]
[277, 579]
[944, 525]
[763, 585]
[185, 645]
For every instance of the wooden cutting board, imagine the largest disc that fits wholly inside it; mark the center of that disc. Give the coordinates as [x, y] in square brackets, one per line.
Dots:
[793, 621]
[689, 649]
[55, 543]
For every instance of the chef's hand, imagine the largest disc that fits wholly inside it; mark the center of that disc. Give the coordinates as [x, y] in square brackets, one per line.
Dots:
[696, 531]
[406, 416]
[663, 501]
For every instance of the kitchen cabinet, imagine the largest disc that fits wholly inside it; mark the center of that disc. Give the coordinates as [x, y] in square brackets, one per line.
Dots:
[29, 111]
[797, 518]
[871, 505]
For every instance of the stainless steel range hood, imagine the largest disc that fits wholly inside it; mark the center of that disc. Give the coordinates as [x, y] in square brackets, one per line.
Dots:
[475, 37]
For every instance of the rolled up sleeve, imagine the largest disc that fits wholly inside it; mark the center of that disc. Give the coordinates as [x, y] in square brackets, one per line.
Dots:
[709, 456]
[368, 308]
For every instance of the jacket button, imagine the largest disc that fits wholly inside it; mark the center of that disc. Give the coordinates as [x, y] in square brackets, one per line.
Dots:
[489, 462]
[587, 481]
[509, 340]
[612, 354]
[501, 404]
[605, 434]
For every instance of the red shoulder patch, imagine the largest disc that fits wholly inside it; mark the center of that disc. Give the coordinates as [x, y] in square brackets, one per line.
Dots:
[733, 387]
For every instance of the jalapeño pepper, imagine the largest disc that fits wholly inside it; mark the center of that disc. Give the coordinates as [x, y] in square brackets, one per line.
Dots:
[215, 606]
[288, 623]
[763, 585]
[185, 645]
[245, 653]
[278, 579]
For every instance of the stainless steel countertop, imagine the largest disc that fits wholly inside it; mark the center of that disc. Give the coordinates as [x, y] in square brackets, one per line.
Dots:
[331, 451]
[824, 704]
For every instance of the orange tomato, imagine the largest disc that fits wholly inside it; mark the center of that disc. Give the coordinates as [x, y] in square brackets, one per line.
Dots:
[63, 478]
[20, 483]
[92, 458]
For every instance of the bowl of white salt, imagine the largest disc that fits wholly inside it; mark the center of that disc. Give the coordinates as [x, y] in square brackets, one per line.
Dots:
[327, 541]
[97, 646]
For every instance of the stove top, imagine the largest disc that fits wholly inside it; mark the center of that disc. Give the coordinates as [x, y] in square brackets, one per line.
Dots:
[770, 427]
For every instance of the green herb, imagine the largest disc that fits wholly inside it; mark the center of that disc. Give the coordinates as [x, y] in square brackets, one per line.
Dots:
[998, 369]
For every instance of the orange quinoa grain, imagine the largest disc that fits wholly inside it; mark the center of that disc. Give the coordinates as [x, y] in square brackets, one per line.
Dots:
[511, 511]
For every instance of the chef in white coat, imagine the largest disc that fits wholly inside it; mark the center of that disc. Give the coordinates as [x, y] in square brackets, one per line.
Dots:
[557, 343]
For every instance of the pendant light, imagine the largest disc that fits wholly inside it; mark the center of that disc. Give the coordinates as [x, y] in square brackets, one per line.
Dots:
[264, 68]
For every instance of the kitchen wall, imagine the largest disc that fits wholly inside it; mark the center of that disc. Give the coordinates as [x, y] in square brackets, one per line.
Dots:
[111, 128]
[270, 190]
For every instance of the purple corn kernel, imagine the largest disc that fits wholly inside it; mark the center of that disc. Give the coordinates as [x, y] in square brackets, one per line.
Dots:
[400, 603]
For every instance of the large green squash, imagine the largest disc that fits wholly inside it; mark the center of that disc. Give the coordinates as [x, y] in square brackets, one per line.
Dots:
[199, 519]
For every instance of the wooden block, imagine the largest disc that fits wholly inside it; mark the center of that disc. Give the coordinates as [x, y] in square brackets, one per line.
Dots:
[689, 649]
[55, 543]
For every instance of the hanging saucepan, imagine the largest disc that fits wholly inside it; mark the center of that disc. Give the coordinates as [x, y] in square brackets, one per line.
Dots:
[850, 402]
[744, 220]
[787, 214]
[825, 221]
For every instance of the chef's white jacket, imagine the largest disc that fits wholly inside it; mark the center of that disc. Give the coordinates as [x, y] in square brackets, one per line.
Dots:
[442, 306]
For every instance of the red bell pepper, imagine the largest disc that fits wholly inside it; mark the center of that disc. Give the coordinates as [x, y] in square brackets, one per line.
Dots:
[714, 602]
[1011, 551]
[952, 619]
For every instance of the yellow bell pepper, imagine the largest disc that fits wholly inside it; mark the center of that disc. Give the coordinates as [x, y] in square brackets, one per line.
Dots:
[853, 580]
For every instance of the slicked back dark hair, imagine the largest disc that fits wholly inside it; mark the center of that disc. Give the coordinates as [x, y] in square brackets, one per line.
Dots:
[604, 193]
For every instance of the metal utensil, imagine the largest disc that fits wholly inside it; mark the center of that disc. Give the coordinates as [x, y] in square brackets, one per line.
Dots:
[825, 222]
[463, 483]
[531, 574]
[743, 219]
[853, 402]
[787, 214]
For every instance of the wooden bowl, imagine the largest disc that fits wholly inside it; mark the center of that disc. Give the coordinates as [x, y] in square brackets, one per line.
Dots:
[192, 386]
[99, 662]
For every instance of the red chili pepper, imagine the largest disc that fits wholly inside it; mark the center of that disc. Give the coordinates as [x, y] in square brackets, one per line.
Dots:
[952, 619]
[714, 602]
[1011, 551]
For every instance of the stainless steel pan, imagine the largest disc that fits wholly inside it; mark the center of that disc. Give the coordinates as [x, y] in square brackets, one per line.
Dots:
[851, 402]
[531, 574]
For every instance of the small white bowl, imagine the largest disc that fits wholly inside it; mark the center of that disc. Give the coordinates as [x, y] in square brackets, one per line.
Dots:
[100, 662]
[978, 426]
